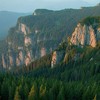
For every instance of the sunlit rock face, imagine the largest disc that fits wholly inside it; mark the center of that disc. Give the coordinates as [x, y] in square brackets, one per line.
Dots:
[57, 56]
[92, 37]
[27, 61]
[23, 28]
[20, 58]
[27, 41]
[84, 35]
[27, 50]
[54, 59]
[28, 58]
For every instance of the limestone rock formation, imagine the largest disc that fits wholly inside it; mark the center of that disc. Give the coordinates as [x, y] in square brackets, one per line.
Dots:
[54, 59]
[24, 47]
[57, 56]
[85, 35]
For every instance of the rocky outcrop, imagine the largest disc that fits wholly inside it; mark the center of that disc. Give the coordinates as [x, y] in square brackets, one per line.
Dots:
[28, 58]
[20, 58]
[85, 35]
[82, 35]
[54, 59]
[57, 56]
[23, 28]
[27, 41]
[8, 59]
[24, 51]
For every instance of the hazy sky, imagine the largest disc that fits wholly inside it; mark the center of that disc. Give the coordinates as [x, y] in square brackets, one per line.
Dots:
[31, 5]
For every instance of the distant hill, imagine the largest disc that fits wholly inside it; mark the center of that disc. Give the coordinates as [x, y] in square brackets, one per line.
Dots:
[7, 20]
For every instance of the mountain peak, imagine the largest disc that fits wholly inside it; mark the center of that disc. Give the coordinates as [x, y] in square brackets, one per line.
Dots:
[42, 11]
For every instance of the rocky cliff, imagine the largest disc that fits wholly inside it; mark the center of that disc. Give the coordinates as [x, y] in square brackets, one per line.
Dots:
[24, 46]
[57, 56]
[23, 53]
[36, 35]
[86, 34]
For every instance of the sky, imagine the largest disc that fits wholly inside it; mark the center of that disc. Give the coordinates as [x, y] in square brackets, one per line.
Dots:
[31, 5]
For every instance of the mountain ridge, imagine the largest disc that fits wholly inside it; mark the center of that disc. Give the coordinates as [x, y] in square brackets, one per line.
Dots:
[7, 20]
[29, 39]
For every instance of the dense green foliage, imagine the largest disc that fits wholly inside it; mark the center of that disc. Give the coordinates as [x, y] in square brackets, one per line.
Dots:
[25, 88]
[94, 21]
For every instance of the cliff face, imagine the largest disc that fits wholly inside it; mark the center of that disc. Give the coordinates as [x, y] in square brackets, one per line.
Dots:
[39, 34]
[32, 46]
[22, 51]
[85, 35]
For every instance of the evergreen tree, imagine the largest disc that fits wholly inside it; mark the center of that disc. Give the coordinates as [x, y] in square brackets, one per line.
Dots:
[95, 97]
[4, 89]
[42, 92]
[61, 95]
[12, 91]
[32, 94]
[26, 91]
[17, 96]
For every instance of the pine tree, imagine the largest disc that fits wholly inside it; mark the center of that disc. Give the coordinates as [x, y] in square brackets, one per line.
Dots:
[17, 96]
[42, 92]
[32, 94]
[61, 94]
[12, 91]
[95, 97]
[4, 90]
[26, 91]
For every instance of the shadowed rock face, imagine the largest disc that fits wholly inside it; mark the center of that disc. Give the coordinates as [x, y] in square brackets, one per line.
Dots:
[98, 34]
[85, 35]
[3, 62]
